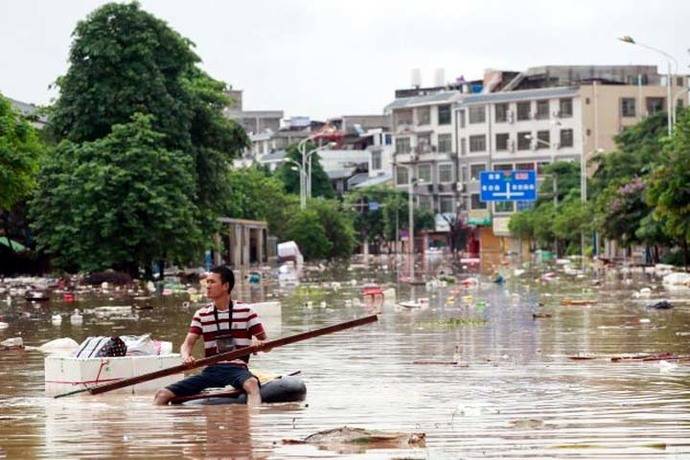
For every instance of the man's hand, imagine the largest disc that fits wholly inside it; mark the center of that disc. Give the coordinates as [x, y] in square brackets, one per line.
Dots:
[258, 343]
[188, 360]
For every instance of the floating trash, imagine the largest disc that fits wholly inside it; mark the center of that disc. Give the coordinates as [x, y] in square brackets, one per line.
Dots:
[76, 318]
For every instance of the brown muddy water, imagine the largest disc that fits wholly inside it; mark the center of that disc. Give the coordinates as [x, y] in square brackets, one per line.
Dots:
[515, 393]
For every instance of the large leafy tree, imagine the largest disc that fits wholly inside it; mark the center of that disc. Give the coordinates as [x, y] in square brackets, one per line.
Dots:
[254, 194]
[117, 202]
[20, 154]
[124, 61]
[21, 151]
[669, 186]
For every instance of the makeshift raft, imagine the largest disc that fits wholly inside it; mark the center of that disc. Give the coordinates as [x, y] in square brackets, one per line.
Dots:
[279, 390]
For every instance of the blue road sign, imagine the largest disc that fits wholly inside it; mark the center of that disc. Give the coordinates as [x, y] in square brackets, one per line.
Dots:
[373, 206]
[508, 185]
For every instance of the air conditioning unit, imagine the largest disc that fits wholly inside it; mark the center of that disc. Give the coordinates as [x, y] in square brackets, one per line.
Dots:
[430, 188]
[460, 187]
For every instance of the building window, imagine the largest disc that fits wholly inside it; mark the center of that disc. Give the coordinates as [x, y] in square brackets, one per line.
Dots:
[542, 110]
[375, 160]
[388, 139]
[524, 140]
[565, 107]
[475, 169]
[446, 205]
[627, 107]
[524, 166]
[402, 117]
[475, 203]
[524, 205]
[654, 105]
[566, 138]
[401, 177]
[445, 143]
[444, 114]
[524, 110]
[503, 167]
[426, 202]
[679, 81]
[502, 141]
[462, 118]
[503, 206]
[477, 114]
[543, 139]
[423, 115]
[445, 173]
[478, 143]
[424, 143]
[424, 173]
[501, 112]
[463, 146]
[402, 145]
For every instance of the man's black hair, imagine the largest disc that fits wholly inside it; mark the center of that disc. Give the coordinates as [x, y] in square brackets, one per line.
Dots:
[226, 276]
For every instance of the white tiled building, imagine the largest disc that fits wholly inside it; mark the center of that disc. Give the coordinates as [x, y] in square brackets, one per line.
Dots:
[516, 130]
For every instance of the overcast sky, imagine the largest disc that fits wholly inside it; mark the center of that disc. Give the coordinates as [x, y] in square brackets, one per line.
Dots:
[323, 58]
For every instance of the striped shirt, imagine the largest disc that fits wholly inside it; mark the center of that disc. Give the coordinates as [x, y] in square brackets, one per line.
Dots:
[245, 324]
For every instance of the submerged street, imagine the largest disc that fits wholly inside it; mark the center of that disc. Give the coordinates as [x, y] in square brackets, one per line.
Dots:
[517, 390]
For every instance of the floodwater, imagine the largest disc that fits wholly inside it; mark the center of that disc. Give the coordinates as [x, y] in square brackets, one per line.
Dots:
[515, 393]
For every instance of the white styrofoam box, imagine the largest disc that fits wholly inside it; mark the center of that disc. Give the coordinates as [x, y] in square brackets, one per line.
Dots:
[63, 373]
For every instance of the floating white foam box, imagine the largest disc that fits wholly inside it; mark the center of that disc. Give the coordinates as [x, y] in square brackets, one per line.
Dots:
[67, 373]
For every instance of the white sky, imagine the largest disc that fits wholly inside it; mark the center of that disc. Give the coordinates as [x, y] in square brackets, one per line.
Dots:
[323, 58]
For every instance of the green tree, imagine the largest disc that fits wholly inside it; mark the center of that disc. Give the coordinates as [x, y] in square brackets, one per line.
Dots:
[254, 194]
[320, 183]
[20, 154]
[119, 202]
[369, 223]
[669, 186]
[307, 231]
[338, 226]
[123, 61]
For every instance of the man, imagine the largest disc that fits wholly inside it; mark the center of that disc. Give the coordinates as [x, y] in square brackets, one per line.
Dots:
[223, 326]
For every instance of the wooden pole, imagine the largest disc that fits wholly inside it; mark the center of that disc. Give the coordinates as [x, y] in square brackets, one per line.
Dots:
[228, 356]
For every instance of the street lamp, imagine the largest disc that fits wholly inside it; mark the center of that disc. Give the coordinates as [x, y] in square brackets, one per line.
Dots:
[309, 157]
[670, 104]
[298, 168]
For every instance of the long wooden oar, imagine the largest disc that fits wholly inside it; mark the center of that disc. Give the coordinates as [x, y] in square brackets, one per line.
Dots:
[228, 356]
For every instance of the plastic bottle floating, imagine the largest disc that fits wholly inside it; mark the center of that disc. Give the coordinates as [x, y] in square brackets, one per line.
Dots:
[323, 304]
[56, 320]
[76, 317]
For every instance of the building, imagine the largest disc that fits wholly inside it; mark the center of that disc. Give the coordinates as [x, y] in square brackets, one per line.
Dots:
[526, 126]
[425, 152]
[253, 121]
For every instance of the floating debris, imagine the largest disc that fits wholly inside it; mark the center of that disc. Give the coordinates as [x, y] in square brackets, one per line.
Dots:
[371, 439]
[663, 305]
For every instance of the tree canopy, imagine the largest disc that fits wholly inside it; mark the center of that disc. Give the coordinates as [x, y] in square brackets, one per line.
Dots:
[129, 69]
[117, 202]
[20, 155]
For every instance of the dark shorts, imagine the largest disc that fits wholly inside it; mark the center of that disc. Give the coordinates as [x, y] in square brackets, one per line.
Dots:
[215, 376]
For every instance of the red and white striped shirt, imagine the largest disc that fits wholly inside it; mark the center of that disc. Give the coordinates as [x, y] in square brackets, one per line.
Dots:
[245, 324]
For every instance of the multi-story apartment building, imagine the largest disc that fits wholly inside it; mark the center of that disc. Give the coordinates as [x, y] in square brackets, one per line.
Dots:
[424, 155]
[528, 128]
